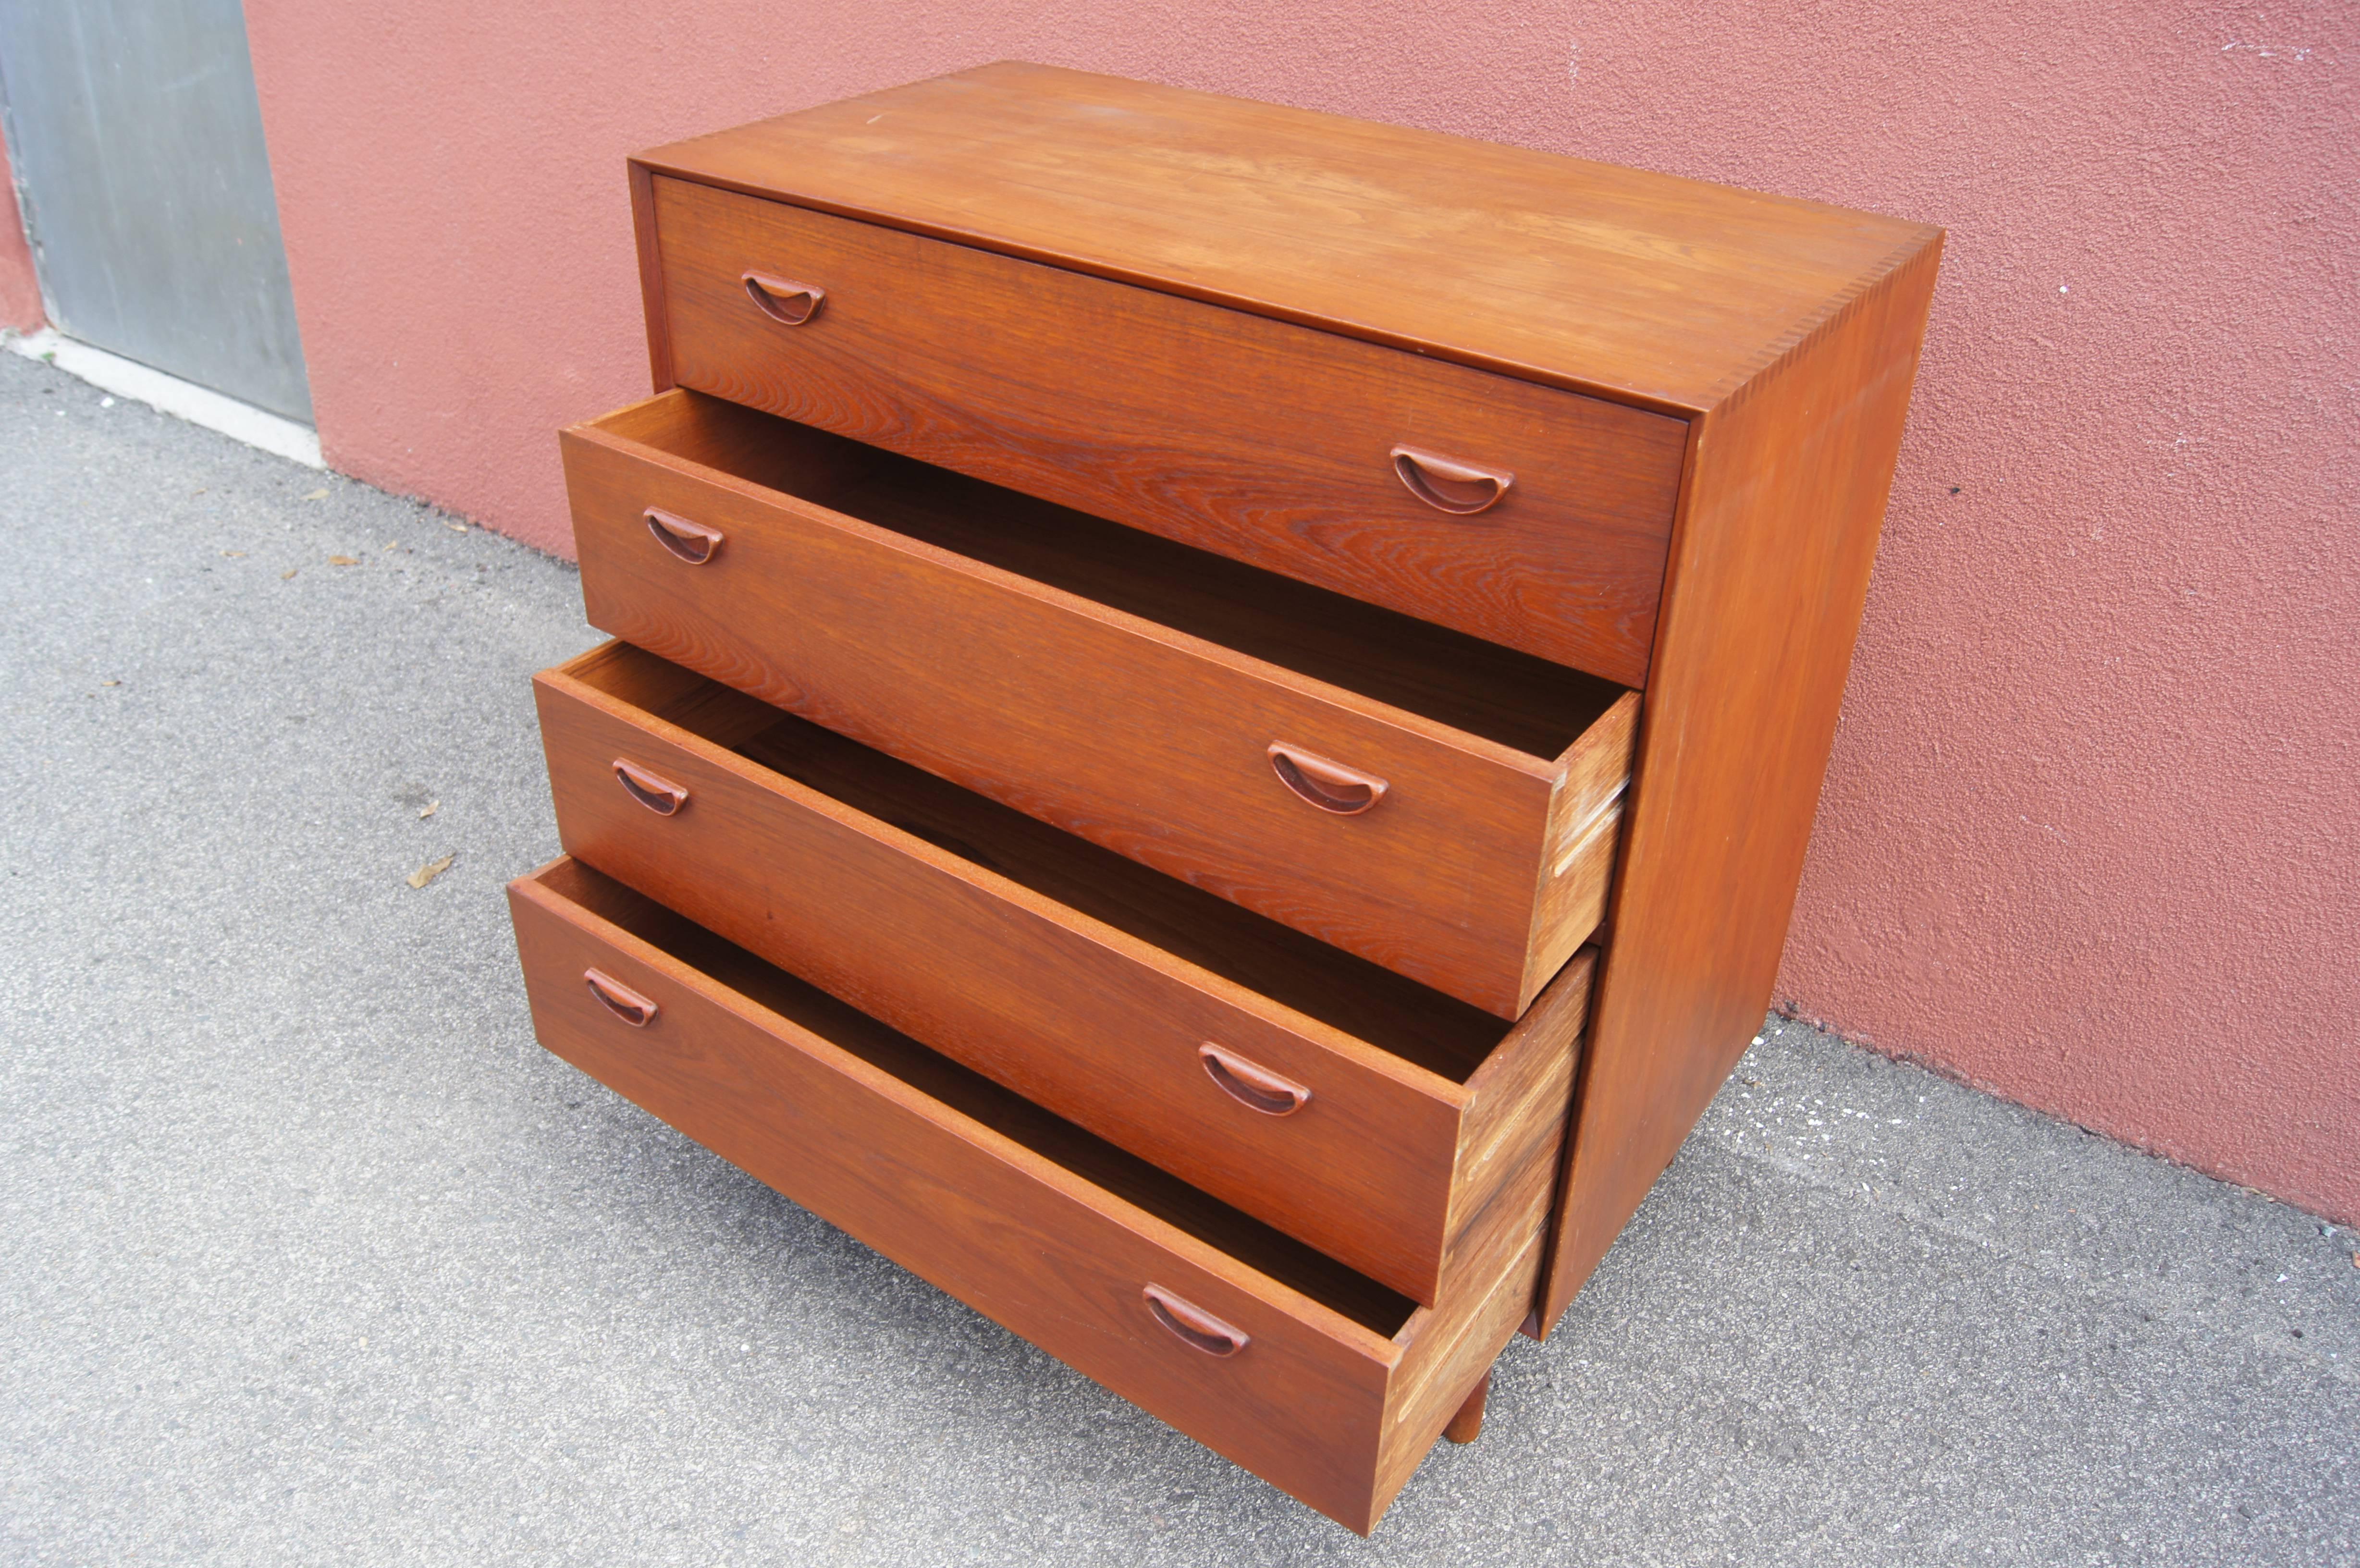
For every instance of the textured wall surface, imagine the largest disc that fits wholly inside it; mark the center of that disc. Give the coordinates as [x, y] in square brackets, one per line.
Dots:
[20, 291]
[2088, 840]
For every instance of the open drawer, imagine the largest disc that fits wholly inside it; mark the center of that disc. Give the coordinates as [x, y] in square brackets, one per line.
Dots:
[1440, 805]
[1322, 1382]
[1405, 1133]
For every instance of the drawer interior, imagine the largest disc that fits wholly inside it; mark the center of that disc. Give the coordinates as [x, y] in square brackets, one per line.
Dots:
[1439, 1033]
[1498, 694]
[971, 1095]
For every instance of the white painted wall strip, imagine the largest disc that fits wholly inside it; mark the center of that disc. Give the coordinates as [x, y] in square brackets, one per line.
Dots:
[182, 399]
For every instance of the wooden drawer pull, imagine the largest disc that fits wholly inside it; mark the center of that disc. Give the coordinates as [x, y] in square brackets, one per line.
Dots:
[789, 304]
[656, 793]
[693, 542]
[1331, 786]
[1257, 1088]
[1193, 1325]
[1448, 484]
[621, 1000]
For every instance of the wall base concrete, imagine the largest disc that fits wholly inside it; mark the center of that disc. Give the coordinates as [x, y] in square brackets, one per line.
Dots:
[170, 395]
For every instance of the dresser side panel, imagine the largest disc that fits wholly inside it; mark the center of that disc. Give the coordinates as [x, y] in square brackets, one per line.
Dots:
[1771, 564]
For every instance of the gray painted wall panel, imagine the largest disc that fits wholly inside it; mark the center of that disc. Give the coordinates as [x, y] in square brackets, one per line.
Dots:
[137, 146]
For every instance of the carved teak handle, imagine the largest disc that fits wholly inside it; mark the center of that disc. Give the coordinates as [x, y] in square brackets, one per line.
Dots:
[789, 304]
[1193, 1325]
[1450, 483]
[1252, 1085]
[1331, 786]
[654, 792]
[693, 542]
[621, 1000]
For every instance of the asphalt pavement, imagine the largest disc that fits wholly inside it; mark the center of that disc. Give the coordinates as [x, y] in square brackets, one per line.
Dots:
[308, 1254]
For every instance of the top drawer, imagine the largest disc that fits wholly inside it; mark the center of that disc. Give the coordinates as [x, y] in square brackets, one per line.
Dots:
[1519, 513]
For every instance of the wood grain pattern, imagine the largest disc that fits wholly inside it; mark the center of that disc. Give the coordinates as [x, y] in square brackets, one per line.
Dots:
[1267, 443]
[1517, 699]
[1512, 1136]
[1079, 978]
[1138, 733]
[1452, 1351]
[1213, 321]
[1468, 1424]
[797, 1092]
[1046, 1230]
[651, 304]
[1664, 291]
[1770, 574]
[1585, 821]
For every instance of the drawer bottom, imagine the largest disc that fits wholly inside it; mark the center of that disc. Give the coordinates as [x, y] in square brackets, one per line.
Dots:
[1323, 1382]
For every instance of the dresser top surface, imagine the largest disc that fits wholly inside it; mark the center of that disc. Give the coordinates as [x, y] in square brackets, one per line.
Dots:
[1662, 290]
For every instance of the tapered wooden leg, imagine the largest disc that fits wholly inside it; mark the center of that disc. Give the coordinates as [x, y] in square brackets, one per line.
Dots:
[1468, 1424]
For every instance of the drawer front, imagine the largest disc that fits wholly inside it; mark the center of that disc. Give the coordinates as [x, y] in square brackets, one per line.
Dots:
[1267, 442]
[1030, 1244]
[1097, 1026]
[1140, 739]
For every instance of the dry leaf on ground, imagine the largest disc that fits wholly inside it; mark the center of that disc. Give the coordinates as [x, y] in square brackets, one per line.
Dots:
[286, 574]
[431, 870]
[341, 561]
[317, 496]
[429, 809]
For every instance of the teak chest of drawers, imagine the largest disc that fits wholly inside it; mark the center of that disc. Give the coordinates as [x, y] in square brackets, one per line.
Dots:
[1168, 648]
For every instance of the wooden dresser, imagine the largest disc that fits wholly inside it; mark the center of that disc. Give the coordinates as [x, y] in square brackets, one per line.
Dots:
[1216, 715]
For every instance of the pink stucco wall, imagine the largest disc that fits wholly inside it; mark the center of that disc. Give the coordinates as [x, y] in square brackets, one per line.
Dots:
[2090, 835]
[20, 291]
